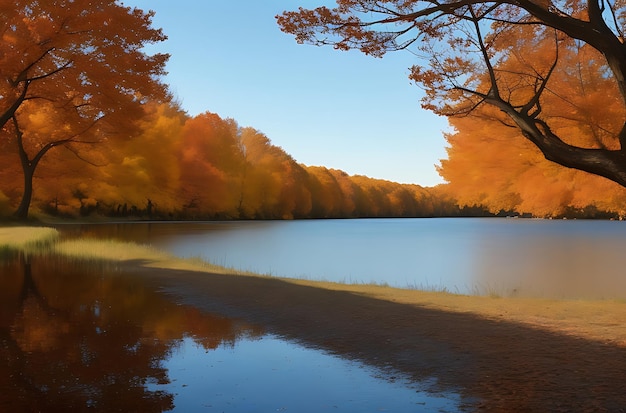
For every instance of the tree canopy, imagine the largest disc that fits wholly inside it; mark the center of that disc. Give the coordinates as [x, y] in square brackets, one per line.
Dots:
[490, 164]
[72, 72]
[467, 50]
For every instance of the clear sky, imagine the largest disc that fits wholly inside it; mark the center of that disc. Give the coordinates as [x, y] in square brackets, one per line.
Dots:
[342, 110]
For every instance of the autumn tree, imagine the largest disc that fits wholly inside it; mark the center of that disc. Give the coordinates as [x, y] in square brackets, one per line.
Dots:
[73, 72]
[336, 194]
[212, 159]
[466, 49]
[145, 171]
[326, 193]
[272, 183]
[489, 163]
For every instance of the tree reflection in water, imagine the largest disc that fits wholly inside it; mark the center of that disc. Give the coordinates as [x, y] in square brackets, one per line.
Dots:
[76, 338]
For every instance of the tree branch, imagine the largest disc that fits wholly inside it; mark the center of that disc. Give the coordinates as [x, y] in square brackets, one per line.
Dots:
[10, 112]
[52, 73]
[493, 90]
[534, 101]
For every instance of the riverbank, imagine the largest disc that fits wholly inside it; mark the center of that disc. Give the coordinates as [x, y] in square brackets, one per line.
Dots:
[501, 354]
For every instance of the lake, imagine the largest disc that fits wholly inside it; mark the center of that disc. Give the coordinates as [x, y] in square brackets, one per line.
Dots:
[88, 338]
[492, 256]
[77, 338]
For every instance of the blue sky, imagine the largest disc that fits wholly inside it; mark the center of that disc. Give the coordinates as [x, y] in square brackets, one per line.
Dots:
[342, 110]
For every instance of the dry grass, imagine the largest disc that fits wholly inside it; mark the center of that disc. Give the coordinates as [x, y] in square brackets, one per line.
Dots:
[33, 240]
[598, 320]
[97, 250]
[109, 250]
[27, 239]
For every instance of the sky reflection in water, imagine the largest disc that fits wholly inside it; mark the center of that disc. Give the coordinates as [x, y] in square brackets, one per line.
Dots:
[556, 258]
[89, 339]
[269, 374]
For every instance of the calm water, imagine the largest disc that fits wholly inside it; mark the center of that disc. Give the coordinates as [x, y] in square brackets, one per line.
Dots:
[573, 258]
[76, 339]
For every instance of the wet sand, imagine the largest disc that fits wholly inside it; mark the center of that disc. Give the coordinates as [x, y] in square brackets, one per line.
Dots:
[500, 354]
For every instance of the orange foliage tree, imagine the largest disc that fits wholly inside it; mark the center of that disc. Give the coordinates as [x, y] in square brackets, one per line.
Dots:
[469, 49]
[73, 72]
[212, 165]
[144, 171]
[272, 181]
[206, 167]
[489, 163]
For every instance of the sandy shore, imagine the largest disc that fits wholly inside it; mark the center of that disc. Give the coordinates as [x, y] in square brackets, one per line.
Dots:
[500, 354]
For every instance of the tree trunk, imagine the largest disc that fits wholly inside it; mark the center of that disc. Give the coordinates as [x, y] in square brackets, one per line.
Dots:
[29, 166]
[29, 171]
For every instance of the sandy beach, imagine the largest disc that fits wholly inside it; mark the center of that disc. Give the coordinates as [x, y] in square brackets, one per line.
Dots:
[500, 354]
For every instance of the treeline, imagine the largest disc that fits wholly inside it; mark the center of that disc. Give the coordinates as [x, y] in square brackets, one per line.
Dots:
[204, 167]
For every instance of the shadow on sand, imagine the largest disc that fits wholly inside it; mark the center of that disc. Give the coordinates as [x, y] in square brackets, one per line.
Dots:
[497, 366]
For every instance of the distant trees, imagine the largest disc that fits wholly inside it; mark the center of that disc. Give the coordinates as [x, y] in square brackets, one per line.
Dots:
[272, 183]
[211, 160]
[206, 167]
[518, 63]
[73, 73]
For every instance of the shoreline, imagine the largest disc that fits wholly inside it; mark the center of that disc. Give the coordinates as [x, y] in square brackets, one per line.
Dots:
[500, 354]
[602, 320]
[509, 354]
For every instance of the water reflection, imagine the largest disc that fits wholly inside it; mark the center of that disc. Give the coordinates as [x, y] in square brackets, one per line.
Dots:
[269, 374]
[562, 259]
[73, 342]
[87, 338]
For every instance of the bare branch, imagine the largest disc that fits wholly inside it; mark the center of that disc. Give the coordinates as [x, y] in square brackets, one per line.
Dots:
[483, 50]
